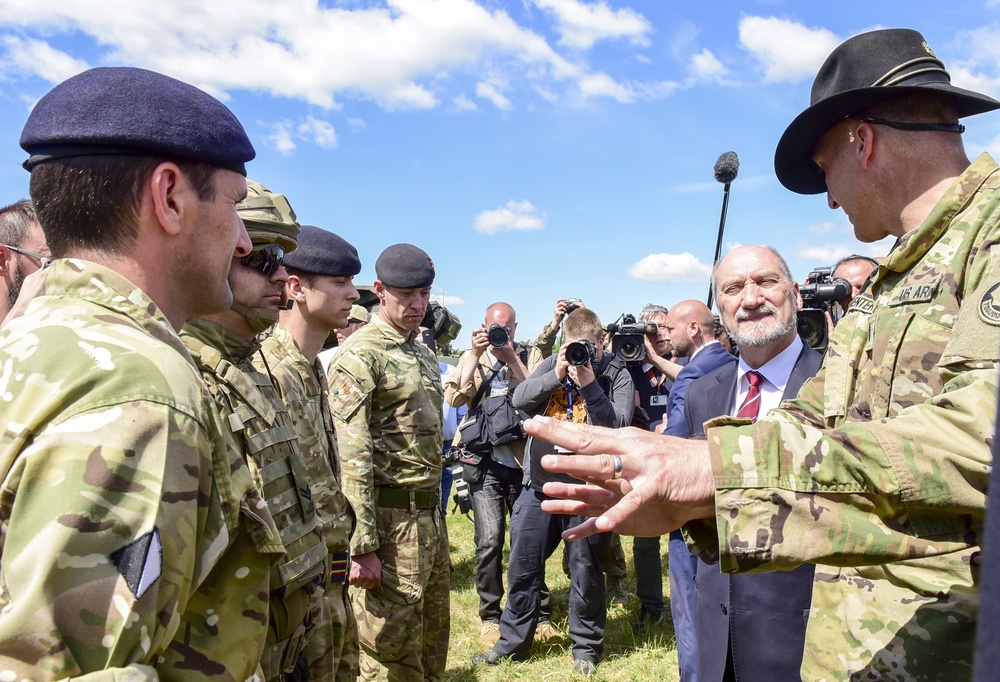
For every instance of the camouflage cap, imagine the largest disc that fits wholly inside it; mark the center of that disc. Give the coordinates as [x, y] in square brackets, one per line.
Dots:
[268, 217]
[358, 314]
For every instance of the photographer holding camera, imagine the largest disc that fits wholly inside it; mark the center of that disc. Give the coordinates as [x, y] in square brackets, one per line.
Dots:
[582, 384]
[493, 472]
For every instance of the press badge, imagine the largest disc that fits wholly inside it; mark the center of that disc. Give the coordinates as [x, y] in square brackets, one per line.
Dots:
[658, 400]
[498, 387]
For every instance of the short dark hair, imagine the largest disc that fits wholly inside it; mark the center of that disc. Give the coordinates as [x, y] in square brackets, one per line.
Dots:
[92, 202]
[308, 277]
[916, 107]
[15, 222]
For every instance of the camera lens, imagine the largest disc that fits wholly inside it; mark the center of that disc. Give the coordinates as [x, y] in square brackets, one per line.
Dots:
[577, 354]
[628, 349]
[497, 335]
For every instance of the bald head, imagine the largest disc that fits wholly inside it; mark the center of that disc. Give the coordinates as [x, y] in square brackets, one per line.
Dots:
[502, 314]
[690, 324]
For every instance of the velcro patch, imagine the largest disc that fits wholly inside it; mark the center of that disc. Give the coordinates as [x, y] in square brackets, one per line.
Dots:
[140, 562]
[989, 306]
[916, 293]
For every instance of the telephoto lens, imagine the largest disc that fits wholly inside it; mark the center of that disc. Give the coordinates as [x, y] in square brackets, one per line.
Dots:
[577, 353]
[497, 335]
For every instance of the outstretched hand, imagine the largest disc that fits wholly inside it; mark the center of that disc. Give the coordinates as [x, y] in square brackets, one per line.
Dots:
[664, 483]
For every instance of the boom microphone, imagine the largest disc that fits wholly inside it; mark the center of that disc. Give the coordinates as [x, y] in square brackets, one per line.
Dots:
[726, 168]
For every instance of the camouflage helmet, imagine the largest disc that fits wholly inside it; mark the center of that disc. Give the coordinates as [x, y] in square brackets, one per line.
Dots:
[269, 217]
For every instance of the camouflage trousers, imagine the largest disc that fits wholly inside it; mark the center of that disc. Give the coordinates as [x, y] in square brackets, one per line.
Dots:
[332, 647]
[403, 626]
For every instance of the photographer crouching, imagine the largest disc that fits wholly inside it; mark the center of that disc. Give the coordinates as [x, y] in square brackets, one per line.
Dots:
[582, 384]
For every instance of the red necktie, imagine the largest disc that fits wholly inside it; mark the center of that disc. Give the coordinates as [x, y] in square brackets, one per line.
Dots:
[751, 404]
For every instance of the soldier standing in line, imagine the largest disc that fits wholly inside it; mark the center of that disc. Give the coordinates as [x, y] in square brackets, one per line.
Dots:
[222, 346]
[320, 285]
[385, 389]
[134, 542]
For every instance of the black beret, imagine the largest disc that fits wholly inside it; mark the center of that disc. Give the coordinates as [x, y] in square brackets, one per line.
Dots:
[405, 266]
[125, 110]
[323, 253]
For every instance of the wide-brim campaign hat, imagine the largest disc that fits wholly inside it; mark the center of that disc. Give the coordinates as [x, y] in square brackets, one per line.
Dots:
[861, 72]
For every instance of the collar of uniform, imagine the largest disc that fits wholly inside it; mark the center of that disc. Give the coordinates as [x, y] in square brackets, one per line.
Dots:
[283, 345]
[233, 347]
[391, 332]
[915, 244]
[108, 289]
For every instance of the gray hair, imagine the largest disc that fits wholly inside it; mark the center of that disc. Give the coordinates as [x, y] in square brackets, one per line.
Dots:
[15, 222]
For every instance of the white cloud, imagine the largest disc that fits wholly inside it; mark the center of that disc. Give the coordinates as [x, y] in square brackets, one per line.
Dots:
[357, 124]
[463, 103]
[489, 91]
[670, 267]
[705, 66]
[583, 24]
[320, 132]
[446, 300]
[280, 137]
[516, 215]
[393, 53]
[822, 255]
[826, 228]
[39, 58]
[787, 50]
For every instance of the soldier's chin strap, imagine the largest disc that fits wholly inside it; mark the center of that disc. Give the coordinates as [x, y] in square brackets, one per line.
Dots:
[260, 319]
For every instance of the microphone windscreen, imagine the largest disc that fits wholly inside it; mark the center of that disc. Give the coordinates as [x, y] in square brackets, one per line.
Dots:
[726, 167]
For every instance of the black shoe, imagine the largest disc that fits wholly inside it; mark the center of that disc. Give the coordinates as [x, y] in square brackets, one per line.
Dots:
[646, 619]
[488, 657]
[582, 666]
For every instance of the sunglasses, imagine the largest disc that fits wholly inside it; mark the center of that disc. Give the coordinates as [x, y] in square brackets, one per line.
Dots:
[266, 259]
[43, 260]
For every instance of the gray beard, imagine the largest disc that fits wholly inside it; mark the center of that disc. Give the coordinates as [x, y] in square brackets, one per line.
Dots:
[757, 334]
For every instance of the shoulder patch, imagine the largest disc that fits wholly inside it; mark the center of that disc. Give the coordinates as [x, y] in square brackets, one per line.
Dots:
[140, 562]
[989, 305]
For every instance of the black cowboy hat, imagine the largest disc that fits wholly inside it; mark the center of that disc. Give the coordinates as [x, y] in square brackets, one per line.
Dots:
[863, 71]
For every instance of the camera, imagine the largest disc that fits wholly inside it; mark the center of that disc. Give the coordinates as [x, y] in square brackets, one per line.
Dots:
[497, 335]
[819, 294]
[628, 338]
[572, 304]
[581, 352]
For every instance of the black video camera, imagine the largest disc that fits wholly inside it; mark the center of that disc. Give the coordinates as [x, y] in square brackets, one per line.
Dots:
[497, 335]
[628, 338]
[819, 296]
[581, 352]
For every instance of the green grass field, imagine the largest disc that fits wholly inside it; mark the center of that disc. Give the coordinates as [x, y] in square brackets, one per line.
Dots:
[649, 657]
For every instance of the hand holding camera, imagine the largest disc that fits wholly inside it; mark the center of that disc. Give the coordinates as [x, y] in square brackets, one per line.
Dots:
[581, 358]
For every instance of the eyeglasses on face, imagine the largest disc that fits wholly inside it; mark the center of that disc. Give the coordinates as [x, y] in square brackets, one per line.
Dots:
[43, 260]
[266, 259]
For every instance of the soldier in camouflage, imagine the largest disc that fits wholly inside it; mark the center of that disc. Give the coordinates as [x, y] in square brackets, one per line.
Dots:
[385, 391]
[878, 470]
[133, 542]
[222, 346]
[321, 287]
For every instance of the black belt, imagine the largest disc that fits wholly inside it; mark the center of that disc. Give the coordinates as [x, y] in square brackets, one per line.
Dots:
[404, 498]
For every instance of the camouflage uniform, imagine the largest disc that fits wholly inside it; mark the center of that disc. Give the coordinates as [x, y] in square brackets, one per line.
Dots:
[385, 390]
[885, 457]
[133, 541]
[265, 436]
[332, 647]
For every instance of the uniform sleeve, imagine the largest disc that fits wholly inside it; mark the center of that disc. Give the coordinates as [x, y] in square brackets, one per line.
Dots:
[806, 485]
[352, 383]
[104, 536]
[546, 340]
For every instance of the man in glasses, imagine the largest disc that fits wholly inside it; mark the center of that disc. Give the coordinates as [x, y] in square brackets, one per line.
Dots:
[22, 250]
[321, 291]
[223, 346]
[135, 543]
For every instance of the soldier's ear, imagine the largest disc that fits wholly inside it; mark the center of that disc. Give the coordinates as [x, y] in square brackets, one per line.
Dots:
[5, 257]
[294, 289]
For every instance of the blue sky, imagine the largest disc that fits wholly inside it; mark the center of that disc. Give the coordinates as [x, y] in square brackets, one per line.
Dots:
[535, 149]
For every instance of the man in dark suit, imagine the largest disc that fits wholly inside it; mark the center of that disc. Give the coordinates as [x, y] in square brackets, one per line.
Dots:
[752, 626]
[692, 334]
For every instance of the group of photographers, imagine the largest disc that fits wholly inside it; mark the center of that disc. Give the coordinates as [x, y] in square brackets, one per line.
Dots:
[627, 373]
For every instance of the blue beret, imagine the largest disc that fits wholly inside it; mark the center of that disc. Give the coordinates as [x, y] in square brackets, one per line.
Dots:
[125, 110]
[405, 266]
[323, 253]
